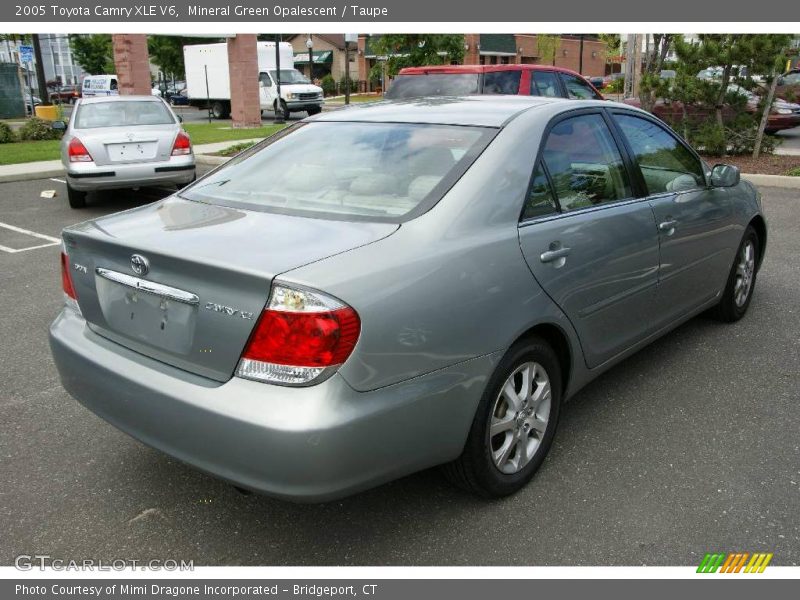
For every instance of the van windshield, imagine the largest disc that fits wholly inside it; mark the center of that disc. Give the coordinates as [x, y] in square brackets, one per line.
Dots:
[434, 84]
[290, 76]
[347, 170]
[128, 113]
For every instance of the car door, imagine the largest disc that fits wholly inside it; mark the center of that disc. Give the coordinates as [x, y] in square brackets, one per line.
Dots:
[267, 90]
[696, 232]
[591, 246]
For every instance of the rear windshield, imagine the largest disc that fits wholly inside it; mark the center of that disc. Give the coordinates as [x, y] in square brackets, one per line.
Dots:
[436, 84]
[351, 171]
[122, 114]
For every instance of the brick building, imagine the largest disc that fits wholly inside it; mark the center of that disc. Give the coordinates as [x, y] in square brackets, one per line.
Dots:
[328, 54]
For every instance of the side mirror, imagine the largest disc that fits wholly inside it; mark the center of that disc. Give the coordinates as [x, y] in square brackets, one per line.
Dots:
[180, 118]
[725, 176]
[59, 125]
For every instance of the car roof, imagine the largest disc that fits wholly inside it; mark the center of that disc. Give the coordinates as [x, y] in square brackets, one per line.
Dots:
[479, 110]
[455, 69]
[142, 98]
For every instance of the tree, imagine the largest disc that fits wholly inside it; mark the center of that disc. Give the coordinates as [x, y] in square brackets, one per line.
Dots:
[166, 51]
[547, 46]
[416, 50]
[770, 52]
[95, 52]
[651, 86]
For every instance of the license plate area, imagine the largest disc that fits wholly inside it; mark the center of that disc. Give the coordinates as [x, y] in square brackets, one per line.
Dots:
[132, 151]
[150, 318]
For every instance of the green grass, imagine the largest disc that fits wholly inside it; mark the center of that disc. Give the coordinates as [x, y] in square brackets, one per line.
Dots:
[221, 131]
[201, 133]
[794, 172]
[356, 99]
[234, 149]
[22, 152]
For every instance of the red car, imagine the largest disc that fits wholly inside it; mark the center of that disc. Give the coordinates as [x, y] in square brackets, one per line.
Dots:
[65, 94]
[464, 80]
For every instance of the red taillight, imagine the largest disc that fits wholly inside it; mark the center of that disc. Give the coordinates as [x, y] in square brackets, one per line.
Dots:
[299, 337]
[66, 279]
[304, 339]
[78, 152]
[182, 145]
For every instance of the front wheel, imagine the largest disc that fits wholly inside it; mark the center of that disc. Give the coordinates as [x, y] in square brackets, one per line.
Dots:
[313, 111]
[741, 280]
[76, 198]
[514, 424]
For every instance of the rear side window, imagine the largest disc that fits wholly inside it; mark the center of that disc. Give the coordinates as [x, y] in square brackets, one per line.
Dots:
[540, 200]
[584, 163]
[577, 88]
[666, 164]
[544, 83]
[501, 82]
[435, 84]
[122, 114]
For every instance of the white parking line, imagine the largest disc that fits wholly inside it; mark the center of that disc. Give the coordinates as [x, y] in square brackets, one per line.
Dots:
[58, 180]
[51, 240]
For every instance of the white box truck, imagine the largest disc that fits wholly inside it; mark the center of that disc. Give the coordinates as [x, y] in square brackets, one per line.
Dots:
[208, 83]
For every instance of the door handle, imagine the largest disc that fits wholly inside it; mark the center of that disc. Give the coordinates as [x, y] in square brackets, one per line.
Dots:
[668, 226]
[552, 255]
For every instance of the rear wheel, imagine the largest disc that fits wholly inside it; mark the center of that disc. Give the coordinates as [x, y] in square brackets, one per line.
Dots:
[741, 280]
[77, 199]
[514, 424]
[220, 110]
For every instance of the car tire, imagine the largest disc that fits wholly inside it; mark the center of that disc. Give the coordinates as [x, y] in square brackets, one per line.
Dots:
[220, 110]
[741, 280]
[487, 464]
[284, 110]
[313, 111]
[76, 198]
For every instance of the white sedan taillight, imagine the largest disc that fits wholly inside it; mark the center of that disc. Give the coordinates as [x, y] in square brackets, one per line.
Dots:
[182, 145]
[77, 151]
[301, 337]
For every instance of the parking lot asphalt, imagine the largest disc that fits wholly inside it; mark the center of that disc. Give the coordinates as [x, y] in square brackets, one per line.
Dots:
[690, 446]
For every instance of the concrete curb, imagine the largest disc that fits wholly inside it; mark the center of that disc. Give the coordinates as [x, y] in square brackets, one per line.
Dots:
[779, 181]
[32, 174]
[209, 160]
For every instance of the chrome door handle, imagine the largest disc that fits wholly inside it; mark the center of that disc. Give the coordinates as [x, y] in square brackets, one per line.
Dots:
[667, 225]
[552, 255]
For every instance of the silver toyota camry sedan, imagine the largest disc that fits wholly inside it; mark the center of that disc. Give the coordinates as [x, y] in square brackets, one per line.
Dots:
[114, 142]
[391, 287]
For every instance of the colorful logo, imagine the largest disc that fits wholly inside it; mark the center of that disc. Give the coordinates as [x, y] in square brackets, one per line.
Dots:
[734, 562]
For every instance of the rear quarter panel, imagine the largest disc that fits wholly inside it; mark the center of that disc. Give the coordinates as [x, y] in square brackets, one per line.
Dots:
[451, 284]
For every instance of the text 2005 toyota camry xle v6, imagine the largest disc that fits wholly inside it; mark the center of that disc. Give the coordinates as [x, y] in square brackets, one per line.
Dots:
[392, 287]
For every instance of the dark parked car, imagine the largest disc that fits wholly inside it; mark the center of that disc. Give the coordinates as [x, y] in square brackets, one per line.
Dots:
[463, 80]
[66, 94]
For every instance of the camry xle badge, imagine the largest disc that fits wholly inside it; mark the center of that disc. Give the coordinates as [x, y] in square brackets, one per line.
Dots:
[229, 310]
[139, 264]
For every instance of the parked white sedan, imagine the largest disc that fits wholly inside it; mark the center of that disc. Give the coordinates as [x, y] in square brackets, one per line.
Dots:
[123, 142]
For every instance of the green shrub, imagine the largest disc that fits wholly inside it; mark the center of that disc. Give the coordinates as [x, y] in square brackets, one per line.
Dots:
[6, 133]
[794, 172]
[328, 85]
[343, 84]
[615, 86]
[38, 129]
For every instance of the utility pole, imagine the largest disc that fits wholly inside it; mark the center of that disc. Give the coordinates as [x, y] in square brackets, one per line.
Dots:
[279, 102]
[37, 53]
[348, 37]
[580, 56]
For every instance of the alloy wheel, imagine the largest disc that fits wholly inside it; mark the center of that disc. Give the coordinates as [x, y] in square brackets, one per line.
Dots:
[745, 269]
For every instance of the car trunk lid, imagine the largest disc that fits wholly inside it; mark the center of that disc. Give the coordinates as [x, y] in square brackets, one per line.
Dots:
[208, 277]
[122, 145]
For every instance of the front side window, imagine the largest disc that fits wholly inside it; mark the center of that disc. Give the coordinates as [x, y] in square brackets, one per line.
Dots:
[501, 82]
[540, 200]
[666, 164]
[433, 84]
[544, 83]
[122, 114]
[369, 171]
[584, 163]
[577, 88]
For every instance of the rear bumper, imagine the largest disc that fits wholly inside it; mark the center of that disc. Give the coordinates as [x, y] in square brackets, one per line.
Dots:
[304, 444]
[178, 170]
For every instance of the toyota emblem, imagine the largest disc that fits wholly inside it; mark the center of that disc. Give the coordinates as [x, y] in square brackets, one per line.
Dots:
[139, 264]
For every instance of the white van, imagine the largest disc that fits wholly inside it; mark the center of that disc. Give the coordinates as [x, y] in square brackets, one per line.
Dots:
[100, 85]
